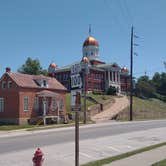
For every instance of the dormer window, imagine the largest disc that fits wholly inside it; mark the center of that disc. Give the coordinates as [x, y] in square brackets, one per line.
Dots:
[41, 82]
[9, 84]
[45, 83]
[3, 84]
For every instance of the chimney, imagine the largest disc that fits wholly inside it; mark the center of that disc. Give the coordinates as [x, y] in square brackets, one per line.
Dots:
[8, 70]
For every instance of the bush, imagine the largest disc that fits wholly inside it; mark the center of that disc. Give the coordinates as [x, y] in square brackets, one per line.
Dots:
[111, 90]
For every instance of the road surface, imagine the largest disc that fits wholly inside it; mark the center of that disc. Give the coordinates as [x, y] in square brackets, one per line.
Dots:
[96, 141]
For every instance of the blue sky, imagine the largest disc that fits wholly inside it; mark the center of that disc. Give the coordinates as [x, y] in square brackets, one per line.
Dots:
[54, 31]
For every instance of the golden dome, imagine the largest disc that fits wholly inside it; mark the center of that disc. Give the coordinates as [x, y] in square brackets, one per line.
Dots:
[91, 41]
[124, 69]
[53, 65]
[85, 60]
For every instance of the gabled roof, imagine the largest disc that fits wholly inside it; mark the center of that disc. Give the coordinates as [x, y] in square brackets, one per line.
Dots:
[29, 81]
[47, 93]
[65, 68]
[113, 66]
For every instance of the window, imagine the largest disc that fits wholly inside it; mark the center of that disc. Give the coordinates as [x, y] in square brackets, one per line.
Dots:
[1, 104]
[54, 105]
[26, 103]
[61, 105]
[44, 83]
[3, 84]
[36, 104]
[9, 84]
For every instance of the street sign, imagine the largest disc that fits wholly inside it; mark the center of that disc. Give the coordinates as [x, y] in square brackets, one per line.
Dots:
[75, 69]
[73, 97]
[76, 81]
[76, 84]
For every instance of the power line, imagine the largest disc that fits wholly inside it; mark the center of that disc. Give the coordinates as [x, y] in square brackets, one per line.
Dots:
[115, 18]
[123, 14]
[128, 11]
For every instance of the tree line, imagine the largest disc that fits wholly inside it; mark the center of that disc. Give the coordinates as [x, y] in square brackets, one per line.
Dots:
[154, 87]
[144, 86]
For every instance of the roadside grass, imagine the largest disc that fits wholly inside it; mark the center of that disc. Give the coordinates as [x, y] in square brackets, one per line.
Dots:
[33, 127]
[160, 163]
[15, 127]
[38, 127]
[122, 156]
[144, 109]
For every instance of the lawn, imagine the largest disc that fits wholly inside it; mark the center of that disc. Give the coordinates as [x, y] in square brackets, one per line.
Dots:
[99, 98]
[160, 163]
[145, 109]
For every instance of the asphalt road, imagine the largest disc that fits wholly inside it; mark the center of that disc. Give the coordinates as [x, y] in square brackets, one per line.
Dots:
[23, 142]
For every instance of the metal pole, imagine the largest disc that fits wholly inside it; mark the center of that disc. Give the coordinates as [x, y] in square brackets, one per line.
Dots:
[78, 103]
[77, 138]
[131, 77]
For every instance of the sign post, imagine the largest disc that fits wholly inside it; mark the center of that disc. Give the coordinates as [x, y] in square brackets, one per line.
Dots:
[76, 85]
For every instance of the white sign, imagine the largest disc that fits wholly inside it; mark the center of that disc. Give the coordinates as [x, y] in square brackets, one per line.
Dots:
[73, 96]
[75, 69]
[76, 81]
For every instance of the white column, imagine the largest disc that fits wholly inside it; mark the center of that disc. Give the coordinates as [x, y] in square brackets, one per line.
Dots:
[44, 111]
[108, 77]
[119, 76]
[116, 76]
[58, 103]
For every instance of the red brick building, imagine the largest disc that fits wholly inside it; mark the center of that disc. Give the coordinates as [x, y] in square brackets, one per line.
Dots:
[25, 98]
[101, 75]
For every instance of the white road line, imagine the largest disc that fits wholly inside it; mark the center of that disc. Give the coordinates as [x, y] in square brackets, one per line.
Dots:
[115, 149]
[130, 147]
[86, 155]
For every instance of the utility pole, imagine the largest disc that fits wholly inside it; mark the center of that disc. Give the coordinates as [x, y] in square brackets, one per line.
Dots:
[85, 63]
[131, 76]
[84, 86]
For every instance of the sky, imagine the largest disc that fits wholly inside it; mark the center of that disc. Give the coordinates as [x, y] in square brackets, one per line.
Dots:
[54, 31]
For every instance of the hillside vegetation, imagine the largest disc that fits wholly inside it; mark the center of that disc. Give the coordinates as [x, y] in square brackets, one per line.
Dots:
[99, 98]
[145, 109]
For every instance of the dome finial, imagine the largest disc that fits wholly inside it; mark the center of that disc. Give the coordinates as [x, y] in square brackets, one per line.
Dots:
[89, 29]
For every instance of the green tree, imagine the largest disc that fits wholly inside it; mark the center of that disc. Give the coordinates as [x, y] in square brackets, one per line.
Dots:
[32, 67]
[162, 88]
[156, 80]
[144, 88]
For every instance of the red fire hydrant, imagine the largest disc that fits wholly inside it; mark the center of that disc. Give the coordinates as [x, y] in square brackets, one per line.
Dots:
[38, 158]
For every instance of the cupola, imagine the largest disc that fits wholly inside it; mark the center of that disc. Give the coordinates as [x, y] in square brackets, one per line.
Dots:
[51, 69]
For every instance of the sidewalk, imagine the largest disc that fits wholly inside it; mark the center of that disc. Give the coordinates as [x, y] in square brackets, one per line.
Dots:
[118, 106]
[142, 159]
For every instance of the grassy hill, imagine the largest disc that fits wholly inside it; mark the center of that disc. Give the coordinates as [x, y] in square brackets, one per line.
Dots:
[145, 109]
[99, 98]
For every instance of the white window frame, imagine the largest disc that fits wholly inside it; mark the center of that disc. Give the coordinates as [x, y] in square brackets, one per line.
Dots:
[2, 104]
[36, 104]
[61, 105]
[54, 104]
[3, 84]
[9, 85]
[26, 103]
